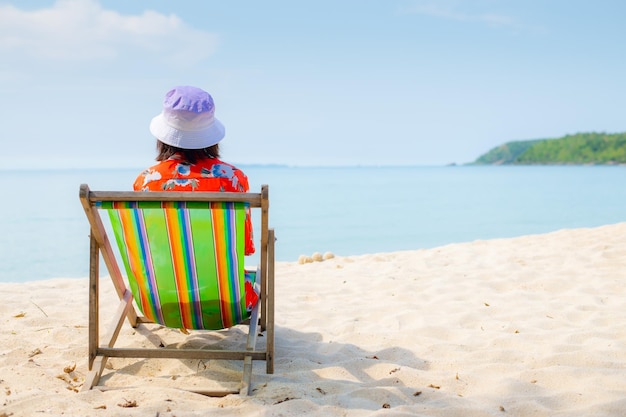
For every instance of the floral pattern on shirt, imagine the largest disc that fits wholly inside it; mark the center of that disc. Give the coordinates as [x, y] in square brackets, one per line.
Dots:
[222, 171]
[180, 182]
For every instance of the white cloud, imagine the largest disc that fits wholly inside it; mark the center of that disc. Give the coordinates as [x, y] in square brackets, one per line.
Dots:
[82, 30]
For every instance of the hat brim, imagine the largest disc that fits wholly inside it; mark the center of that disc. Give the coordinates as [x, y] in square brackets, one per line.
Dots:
[187, 139]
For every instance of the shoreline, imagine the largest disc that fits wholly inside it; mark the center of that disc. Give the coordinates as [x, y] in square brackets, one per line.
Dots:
[525, 326]
[339, 255]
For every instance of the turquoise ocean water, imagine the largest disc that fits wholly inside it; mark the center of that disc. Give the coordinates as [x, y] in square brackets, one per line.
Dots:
[348, 211]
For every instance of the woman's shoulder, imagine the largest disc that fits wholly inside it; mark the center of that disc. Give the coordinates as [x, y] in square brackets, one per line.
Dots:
[224, 172]
[217, 166]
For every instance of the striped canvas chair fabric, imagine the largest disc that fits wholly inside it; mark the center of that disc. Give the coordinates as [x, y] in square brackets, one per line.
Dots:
[184, 260]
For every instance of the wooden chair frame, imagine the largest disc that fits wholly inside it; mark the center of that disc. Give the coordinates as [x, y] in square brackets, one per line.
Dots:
[262, 315]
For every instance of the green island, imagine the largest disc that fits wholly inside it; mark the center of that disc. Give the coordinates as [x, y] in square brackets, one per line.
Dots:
[578, 149]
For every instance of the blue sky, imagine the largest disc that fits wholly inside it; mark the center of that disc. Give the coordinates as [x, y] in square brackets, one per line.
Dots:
[330, 82]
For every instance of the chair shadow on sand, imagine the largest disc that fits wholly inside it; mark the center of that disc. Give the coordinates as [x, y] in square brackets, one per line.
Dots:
[309, 371]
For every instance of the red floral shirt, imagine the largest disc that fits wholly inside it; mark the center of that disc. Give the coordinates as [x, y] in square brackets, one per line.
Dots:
[205, 175]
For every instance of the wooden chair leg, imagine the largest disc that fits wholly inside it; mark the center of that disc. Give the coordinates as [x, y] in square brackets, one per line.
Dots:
[99, 362]
[269, 357]
[253, 331]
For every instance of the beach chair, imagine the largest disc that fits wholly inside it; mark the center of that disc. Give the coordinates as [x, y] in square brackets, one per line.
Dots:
[183, 254]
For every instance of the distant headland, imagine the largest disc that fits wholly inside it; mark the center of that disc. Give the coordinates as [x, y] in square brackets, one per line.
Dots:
[578, 149]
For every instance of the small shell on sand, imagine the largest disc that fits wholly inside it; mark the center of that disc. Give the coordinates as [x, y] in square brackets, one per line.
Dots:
[303, 259]
[316, 257]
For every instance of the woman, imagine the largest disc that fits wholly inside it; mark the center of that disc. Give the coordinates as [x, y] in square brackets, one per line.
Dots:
[188, 136]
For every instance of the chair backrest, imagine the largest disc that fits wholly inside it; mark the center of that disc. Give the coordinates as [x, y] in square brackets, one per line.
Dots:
[184, 260]
[183, 252]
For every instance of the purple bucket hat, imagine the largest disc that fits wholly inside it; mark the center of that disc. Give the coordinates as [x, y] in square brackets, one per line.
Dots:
[188, 119]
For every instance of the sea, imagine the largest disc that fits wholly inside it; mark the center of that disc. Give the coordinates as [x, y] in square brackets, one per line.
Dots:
[344, 210]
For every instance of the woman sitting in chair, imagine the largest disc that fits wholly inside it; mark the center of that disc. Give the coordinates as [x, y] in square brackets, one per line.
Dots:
[188, 136]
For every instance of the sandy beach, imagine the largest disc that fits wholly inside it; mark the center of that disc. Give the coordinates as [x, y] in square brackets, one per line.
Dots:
[529, 326]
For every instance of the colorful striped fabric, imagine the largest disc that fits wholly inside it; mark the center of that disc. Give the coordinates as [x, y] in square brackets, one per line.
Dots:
[184, 260]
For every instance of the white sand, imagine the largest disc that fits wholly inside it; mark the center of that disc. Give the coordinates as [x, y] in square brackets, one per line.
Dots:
[532, 326]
